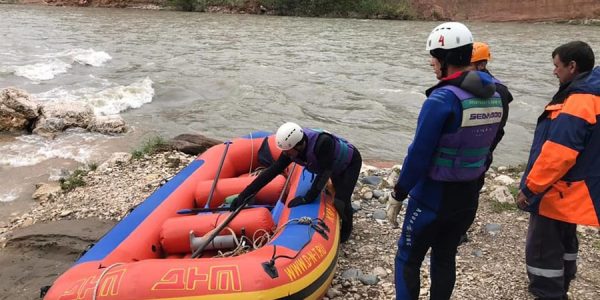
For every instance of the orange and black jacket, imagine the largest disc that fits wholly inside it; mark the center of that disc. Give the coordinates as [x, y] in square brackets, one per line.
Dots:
[562, 178]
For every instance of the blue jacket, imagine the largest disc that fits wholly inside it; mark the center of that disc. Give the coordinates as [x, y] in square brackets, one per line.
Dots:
[441, 113]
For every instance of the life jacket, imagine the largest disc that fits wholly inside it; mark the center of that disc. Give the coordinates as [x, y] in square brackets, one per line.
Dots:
[342, 154]
[462, 155]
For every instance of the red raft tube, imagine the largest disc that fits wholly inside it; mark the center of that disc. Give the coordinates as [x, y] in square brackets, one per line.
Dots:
[278, 253]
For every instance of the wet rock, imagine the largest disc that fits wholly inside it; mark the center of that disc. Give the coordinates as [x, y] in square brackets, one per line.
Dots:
[108, 125]
[58, 116]
[192, 144]
[17, 110]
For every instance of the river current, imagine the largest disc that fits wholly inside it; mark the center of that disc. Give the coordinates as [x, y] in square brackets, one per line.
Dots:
[225, 76]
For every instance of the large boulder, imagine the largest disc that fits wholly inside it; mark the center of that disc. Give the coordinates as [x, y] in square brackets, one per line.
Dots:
[108, 124]
[58, 116]
[17, 110]
[192, 144]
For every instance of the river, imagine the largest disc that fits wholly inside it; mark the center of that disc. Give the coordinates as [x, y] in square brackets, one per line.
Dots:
[224, 76]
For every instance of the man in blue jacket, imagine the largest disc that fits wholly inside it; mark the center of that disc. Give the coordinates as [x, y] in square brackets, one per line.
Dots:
[441, 172]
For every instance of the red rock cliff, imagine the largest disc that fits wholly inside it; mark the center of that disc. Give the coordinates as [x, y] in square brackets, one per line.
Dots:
[508, 10]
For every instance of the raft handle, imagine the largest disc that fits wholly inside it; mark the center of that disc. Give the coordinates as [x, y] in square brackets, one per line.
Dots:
[269, 267]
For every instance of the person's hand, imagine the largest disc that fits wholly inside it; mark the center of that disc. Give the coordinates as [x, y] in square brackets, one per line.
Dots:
[522, 201]
[300, 200]
[237, 202]
[393, 210]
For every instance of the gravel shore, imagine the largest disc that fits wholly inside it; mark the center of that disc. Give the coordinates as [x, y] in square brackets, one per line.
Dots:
[38, 246]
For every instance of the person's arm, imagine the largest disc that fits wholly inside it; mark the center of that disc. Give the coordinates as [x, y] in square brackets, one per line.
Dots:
[266, 176]
[324, 151]
[436, 111]
[507, 98]
[567, 136]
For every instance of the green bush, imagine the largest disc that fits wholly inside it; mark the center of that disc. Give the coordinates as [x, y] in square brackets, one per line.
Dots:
[499, 207]
[74, 180]
[150, 146]
[386, 9]
[185, 5]
[201, 5]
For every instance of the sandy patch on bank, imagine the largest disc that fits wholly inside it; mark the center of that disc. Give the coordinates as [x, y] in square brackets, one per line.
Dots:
[34, 256]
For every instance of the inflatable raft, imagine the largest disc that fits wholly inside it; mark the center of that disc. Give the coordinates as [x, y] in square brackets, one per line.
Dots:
[268, 251]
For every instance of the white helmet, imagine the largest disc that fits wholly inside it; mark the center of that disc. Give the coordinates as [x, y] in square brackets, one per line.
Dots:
[288, 136]
[449, 35]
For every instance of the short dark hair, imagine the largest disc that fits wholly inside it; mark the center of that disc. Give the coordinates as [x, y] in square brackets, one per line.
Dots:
[577, 51]
[460, 56]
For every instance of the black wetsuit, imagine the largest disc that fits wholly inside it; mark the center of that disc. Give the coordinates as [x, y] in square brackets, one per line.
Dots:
[343, 181]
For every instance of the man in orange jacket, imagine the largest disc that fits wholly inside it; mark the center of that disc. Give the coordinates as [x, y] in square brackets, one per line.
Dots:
[561, 183]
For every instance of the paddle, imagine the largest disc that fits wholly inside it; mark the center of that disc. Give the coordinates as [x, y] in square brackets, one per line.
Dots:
[186, 211]
[214, 185]
[213, 233]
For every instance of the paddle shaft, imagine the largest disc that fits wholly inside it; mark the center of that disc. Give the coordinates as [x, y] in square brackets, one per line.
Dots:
[213, 233]
[214, 184]
[201, 210]
[287, 180]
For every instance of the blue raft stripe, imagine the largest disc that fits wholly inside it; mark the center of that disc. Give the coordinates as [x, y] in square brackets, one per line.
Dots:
[294, 236]
[123, 229]
[257, 135]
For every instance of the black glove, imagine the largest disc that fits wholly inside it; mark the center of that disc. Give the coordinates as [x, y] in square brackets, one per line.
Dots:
[398, 194]
[300, 200]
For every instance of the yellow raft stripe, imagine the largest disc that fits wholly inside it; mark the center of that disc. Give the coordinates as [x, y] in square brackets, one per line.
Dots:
[280, 291]
[323, 289]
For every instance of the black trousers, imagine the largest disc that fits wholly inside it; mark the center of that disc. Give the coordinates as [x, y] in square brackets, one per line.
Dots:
[551, 256]
[344, 184]
[441, 231]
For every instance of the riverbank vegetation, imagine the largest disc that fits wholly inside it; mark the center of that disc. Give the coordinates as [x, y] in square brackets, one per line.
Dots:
[380, 9]
[150, 146]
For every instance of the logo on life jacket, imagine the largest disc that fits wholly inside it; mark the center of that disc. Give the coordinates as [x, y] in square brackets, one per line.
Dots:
[482, 116]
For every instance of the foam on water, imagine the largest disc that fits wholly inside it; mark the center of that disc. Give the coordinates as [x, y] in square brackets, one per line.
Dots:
[109, 101]
[42, 70]
[115, 100]
[9, 196]
[88, 56]
[52, 64]
[29, 150]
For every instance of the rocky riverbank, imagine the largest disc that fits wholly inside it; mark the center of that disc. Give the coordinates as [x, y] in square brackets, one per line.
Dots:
[40, 244]
[574, 11]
